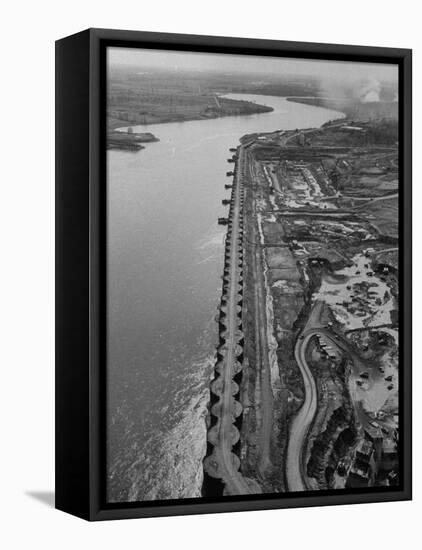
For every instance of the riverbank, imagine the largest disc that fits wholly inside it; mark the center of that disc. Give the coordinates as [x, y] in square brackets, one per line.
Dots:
[179, 108]
[129, 141]
[323, 281]
[353, 108]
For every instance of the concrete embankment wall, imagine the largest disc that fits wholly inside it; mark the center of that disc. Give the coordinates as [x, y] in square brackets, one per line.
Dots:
[214, 482]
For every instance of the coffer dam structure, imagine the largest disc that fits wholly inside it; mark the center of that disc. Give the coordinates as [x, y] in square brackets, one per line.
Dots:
[222, 463]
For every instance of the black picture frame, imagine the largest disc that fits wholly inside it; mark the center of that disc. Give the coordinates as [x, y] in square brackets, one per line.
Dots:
[81, 275]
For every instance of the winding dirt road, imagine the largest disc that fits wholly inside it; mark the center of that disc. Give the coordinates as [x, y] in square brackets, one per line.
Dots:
[299, 429]
[302, 422]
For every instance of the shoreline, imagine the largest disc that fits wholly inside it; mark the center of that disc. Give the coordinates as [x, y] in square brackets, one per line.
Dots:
[352, 108]
[128, 141]
[229, 107]
[275, 386]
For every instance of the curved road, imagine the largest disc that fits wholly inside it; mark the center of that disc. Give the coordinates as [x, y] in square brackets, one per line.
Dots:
[299, 429]
[302, 421]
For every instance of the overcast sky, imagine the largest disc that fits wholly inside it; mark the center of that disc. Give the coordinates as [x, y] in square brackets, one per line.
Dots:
[149, 59]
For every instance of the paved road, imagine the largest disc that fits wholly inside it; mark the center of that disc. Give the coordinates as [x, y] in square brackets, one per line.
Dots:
[371, 200]
[302, 422]
[295, 471]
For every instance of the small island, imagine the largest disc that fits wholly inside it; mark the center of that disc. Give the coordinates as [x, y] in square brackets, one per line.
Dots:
[129, 140]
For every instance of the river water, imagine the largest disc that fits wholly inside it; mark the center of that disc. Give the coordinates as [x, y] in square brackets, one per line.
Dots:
[165, 257]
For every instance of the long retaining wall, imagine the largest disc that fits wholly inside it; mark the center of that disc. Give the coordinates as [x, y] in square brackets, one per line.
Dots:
[217, 479]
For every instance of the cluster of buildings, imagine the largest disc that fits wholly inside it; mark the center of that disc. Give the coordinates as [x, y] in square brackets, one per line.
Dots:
[375, 458]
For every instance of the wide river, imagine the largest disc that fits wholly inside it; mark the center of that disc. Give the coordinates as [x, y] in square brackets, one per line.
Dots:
[165, 257]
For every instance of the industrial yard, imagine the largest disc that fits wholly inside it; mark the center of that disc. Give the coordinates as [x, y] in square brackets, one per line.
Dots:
[305, 392]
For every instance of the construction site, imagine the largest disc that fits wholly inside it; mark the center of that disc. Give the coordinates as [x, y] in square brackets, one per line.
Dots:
[304, 395]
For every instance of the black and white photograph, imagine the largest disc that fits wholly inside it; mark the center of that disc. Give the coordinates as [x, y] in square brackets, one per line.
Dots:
[211, 275]
[253, 293]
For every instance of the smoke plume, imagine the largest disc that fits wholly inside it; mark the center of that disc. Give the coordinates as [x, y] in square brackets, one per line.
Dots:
[370, 91]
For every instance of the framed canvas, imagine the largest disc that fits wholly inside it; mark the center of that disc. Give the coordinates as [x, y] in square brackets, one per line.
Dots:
[233, 229]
